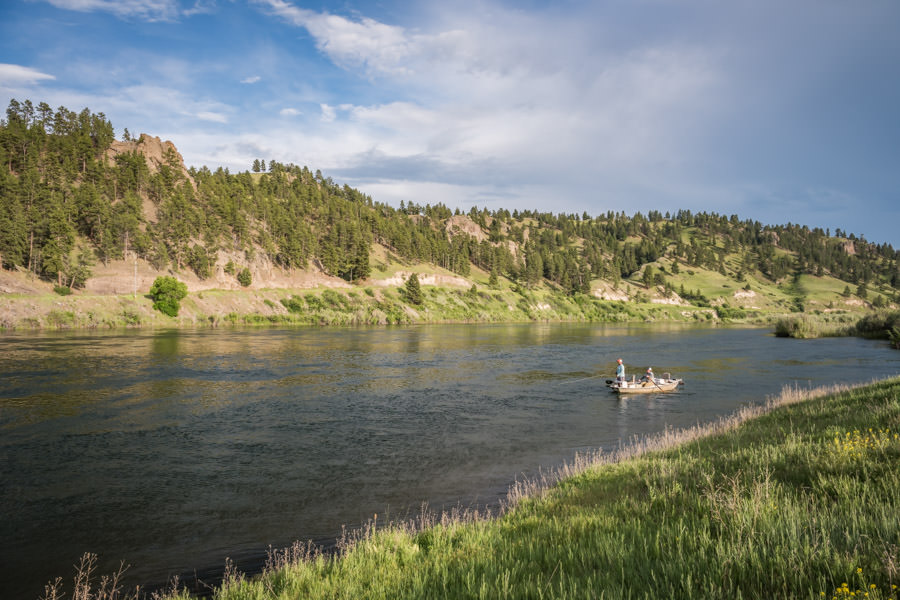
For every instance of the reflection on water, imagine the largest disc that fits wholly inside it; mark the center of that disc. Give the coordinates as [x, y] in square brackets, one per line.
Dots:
[174, 450]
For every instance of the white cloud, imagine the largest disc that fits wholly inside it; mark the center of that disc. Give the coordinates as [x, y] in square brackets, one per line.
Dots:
[253, 79]
[523, 90]
[377, 47]
[289, 112]
[328, 113]
[150, 10]
[212, 116]
[14, 75]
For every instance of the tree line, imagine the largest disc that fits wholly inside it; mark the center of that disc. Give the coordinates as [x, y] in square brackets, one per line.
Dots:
[66, 202]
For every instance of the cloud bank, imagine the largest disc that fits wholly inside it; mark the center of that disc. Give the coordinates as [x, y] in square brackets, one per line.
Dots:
[772, 111]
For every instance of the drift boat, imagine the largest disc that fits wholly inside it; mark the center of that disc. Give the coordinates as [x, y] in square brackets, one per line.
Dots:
[655, 386]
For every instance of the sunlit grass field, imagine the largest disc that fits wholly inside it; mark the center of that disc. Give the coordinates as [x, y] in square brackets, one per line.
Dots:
[799, 498]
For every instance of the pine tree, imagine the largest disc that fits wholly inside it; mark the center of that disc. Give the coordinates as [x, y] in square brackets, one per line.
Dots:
[413, 290]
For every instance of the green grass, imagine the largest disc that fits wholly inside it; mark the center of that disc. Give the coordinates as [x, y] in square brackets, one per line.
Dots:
[388, 305]
[794, 499]
[809, 326]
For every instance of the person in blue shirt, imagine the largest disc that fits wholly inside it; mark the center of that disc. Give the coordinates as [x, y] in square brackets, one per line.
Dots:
[620, 371]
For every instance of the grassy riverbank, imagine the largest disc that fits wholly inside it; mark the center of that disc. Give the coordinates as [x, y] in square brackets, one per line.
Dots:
[358, 306]
[882, 324]
[798, 499]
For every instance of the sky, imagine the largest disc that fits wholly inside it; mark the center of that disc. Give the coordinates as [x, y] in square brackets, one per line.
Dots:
[775, 110]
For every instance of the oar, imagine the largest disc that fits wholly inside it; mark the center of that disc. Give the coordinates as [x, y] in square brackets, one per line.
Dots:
[653, 379]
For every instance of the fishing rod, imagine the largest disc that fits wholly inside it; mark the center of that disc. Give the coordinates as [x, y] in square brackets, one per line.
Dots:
[585, 379]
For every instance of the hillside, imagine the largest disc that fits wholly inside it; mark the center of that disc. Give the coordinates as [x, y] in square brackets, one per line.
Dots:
[82, 212]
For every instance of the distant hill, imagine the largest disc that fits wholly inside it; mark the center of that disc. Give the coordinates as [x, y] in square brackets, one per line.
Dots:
[83, 211]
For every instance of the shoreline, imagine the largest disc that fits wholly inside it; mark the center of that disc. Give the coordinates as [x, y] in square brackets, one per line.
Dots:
[329, 307]
[525, 495]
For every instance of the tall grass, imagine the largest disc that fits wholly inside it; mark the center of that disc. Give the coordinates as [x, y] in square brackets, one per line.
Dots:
[882, 325]
[879, 325]
[813, 326]
[796, 498]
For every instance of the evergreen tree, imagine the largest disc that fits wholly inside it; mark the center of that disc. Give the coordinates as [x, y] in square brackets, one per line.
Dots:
[413, 290]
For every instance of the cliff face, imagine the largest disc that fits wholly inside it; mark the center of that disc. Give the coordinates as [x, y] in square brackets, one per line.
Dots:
[155, 151]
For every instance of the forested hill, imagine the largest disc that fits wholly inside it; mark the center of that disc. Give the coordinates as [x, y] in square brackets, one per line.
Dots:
[72, 195]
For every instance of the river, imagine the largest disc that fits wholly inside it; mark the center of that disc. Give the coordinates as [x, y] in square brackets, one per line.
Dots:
[172, 450]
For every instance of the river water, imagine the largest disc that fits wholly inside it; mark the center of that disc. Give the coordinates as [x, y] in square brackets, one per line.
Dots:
[174, 450]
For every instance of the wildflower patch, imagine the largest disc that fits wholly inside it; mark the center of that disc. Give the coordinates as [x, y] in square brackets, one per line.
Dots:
[857, 444]
[862, 589]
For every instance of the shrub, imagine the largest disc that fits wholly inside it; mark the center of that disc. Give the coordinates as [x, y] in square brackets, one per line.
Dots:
[334, 300]
[167, 294]
[244, 277]
[894, 336]
[294, 304]
[727, 312]
[878, 325]
[130, 317]
[314, 302]
[61, 318]
[62, 290]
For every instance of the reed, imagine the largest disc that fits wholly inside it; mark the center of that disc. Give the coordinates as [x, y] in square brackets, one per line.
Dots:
[813, 326]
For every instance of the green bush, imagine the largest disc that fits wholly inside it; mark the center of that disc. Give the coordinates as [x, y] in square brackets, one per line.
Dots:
[62, 290]
[314, 302]
[726, 312]
[894, 336]
[131, 317]
[294, 304]
[61, 318]
[167, 294]
[244, 277]
[334, 299]
[878, 325]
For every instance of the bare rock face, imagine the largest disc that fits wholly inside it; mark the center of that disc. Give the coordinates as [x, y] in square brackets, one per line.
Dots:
[464, 224]
[154, 150]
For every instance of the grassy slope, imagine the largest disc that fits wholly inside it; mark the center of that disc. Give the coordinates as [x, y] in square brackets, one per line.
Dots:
[378, 305]
[796, 503]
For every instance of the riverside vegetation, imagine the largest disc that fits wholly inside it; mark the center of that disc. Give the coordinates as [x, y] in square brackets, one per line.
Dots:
[793, 499]
[73, 199]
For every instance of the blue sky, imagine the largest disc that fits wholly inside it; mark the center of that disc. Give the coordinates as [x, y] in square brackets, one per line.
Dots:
[778, 111]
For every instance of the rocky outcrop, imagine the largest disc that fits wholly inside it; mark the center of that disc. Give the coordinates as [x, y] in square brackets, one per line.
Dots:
[464, 224]
[155, 151]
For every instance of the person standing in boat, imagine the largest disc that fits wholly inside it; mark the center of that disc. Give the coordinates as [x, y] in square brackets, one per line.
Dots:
[620, 371]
